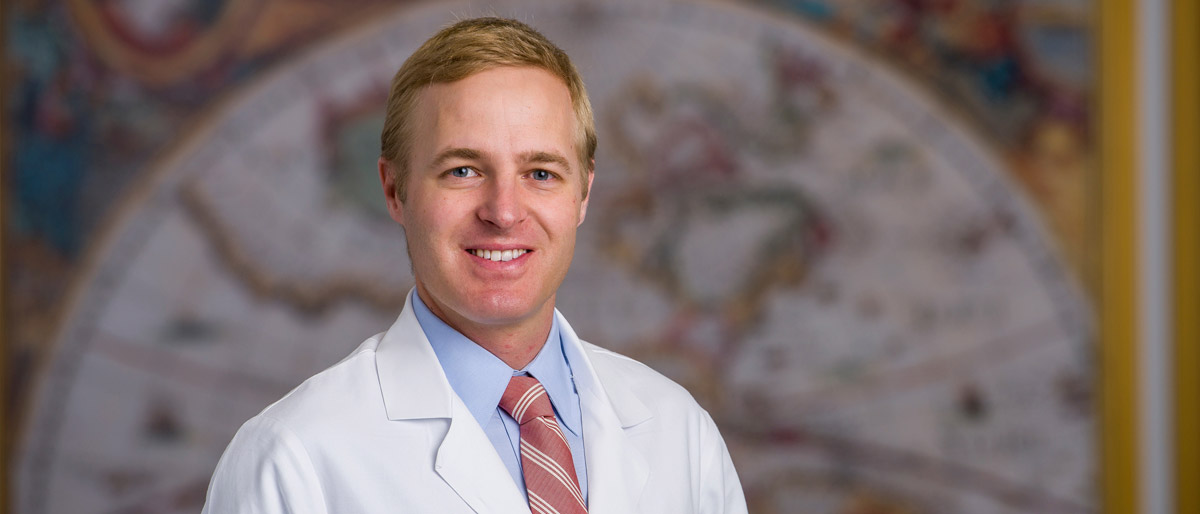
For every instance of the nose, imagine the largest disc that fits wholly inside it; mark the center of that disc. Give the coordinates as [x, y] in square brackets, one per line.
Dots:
[502, 206]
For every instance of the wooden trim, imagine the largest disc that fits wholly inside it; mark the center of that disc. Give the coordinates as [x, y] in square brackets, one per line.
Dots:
[1185, 156]
[1118, 151]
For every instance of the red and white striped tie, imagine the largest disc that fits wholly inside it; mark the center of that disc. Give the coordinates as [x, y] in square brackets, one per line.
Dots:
[545, 457]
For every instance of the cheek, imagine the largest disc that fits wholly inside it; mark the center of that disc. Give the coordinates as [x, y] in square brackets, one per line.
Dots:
[440, 228]
[421, 231]
[566, 225]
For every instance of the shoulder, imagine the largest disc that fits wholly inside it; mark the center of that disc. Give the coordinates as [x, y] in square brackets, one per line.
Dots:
[622, 375]
[279, 444]
[345, 390]
[616, 365]
[677, 436]
[265, 469]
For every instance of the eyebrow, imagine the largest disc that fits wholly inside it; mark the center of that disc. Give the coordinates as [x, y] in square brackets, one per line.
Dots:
[456, 153]
[539, 157]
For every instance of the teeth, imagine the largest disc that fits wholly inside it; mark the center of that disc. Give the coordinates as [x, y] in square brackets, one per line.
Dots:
[498, 255]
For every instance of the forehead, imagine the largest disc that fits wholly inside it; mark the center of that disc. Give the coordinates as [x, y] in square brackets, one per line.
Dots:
[497, 108]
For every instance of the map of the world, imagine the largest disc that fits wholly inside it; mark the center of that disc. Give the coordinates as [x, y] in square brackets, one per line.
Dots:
[835, 265]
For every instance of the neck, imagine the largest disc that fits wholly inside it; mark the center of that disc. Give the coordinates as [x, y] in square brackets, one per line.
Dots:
[516, 342]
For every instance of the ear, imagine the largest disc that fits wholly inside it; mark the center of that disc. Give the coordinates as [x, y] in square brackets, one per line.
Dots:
[387, 178]
[591, 174]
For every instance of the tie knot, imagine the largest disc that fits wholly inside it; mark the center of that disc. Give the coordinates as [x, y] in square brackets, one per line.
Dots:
[526, 399]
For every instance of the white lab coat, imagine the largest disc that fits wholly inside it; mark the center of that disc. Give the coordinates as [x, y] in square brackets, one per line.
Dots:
[383, 432]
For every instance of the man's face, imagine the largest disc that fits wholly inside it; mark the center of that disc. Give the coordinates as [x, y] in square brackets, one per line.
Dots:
[494, 196]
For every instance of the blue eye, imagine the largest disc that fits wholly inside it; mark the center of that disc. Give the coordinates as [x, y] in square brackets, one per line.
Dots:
[461, 172]
[542, 175]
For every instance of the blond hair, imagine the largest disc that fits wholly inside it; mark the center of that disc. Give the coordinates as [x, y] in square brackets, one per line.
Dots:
[469, 47]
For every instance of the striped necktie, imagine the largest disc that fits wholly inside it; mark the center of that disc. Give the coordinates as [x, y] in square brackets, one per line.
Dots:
[545, 457]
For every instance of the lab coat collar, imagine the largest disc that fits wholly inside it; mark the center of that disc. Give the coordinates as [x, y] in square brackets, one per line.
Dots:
[411, 381]
[414, 387]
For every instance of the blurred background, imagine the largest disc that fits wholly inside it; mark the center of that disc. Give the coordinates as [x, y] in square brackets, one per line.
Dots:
[870, 236]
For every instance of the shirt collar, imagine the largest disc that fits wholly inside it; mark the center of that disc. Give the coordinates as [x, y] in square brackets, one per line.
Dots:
[480, 378]
[552, 369]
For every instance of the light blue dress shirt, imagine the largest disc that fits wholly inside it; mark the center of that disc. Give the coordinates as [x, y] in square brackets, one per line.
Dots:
[480, 378]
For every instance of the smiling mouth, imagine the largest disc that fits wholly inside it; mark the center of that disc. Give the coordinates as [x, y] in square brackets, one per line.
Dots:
[499, 255]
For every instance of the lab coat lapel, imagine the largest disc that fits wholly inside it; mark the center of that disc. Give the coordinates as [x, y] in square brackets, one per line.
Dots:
[414, 387]
[616, 469]
[467, 461]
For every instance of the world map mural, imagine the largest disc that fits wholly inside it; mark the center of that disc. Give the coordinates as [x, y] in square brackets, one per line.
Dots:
[865, 289]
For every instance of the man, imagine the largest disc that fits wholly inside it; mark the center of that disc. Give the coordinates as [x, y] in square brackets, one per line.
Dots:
[480, 398]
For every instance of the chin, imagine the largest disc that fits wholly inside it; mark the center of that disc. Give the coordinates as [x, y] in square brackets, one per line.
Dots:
[503, 307]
